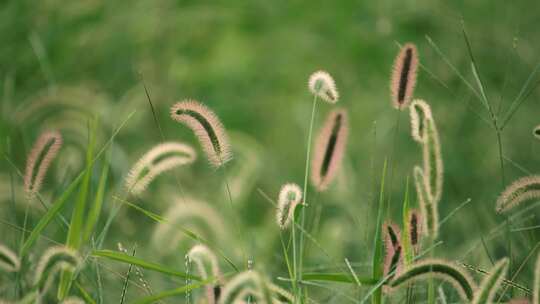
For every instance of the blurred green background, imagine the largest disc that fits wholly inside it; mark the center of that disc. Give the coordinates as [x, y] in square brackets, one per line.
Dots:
[62, 61]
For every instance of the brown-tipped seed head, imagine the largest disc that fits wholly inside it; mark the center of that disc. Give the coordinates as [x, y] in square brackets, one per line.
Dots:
[415, 228]
[207, 127]
[523, 189]
[329, 149]
[404, 76]
[42, 154]
[322, 85]
[393, 249]
[290, 196]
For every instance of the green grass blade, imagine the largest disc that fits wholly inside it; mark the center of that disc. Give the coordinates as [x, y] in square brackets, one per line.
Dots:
[377, 265]
[95, 209]
[337, 277]
[172, 292]
[49, 216]
[128, 259]
[86, 296]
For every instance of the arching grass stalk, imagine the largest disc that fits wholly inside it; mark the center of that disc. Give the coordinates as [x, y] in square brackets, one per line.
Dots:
[303, 215]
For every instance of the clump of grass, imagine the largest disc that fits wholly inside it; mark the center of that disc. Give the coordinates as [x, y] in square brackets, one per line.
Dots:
[42, 154]
[488, 289]
[329, 149]
[521, 190]
[207, 266]
[290, 196]
[207, 127]
[428, 268]
[403, 78]
[52, 262]
[9, 261]
[159, 159]
[322, 85]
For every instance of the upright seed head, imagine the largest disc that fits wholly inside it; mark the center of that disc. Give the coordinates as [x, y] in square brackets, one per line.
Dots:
[429, 209]
[207, 127]
[523, 189]
[322, 85]
[415, 228]
[404, 76]
[329, 149]
[42, 154]
[290, 196]
[393, 250]
[161, 158]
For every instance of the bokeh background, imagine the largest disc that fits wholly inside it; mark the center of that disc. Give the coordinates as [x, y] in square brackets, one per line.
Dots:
[63, 61]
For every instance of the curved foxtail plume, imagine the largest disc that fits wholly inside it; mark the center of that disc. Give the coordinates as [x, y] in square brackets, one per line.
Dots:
[393, 250]
[207, 267]
[9, 261]
[52, 262]
[290, 196]
[246, 284]
[523, 189]
[404, 76]
[429, 209]
[424, 131]
[415, 229]
[161, 158]
[329, 149]
[42, 154]
[536, 288]
[322, 85]
[460, 279]
[488, 289]
[207, 127]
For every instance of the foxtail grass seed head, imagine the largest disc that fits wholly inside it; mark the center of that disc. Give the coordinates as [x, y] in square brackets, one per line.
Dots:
[429, 210]
[54, 260]
[415, 228]
[161, 158]
[435, 268]
[207, 266]
[322, 85]
[420, 113]
[290, 196]
[404, 76]
[207, 127]
[393, 249]
[522, 190]
[42, 154]
[329, 149]
[9, 261]
[244, 284]
[488, 289]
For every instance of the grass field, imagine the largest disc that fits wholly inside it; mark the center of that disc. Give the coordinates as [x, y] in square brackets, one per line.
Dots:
[95, 209]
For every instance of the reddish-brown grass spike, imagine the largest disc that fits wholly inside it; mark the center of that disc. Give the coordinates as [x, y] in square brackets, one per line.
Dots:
[42, 154]
[329, 149]
[404, 76]
[207, 127]
[393, 248]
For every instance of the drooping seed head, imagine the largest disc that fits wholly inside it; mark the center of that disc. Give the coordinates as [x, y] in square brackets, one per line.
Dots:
[54, 260]
[329, 149]
[404, 76]
[207, 127]
[435, 268]
[420, 113]
[161, 158]
[488, 289]
[523, 189]
[244, 284]
[9, 261]
[42, 154]
[290, 196]
[322, 85]
[207, 266]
